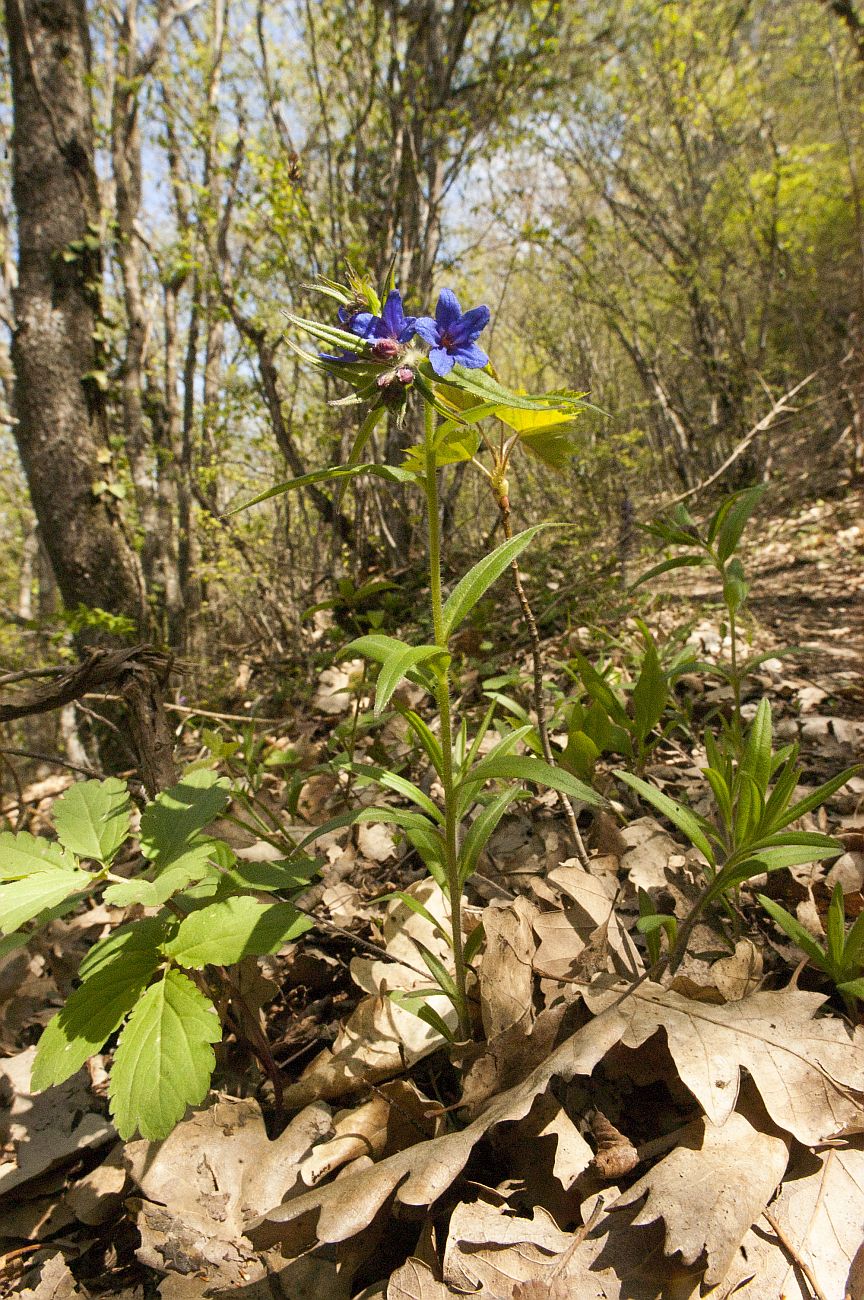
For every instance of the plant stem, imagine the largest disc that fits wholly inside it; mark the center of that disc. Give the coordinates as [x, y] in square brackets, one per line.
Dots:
[451, 828]
[736, 680]
[539, 697]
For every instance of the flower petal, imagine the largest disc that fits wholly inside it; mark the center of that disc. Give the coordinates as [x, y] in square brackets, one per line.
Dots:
[428, 330]
[393, 315]
[448, 311]
[470, 356]
[362, 323]
[474, 321]
[408, 330]
[441, 361]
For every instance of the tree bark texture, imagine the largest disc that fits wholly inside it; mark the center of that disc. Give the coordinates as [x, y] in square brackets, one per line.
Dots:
[59, 402]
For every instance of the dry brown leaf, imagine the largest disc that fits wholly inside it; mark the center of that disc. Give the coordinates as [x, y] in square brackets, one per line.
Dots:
[55, 1282]
[420, 1174]
[489, 1251]
[823, 1215]
[334, 694]
[710, 1189]
[48, 1128]
[97, 1197]
[415, 1281]
[506, 977]
[805, 1069]
[648, 852]
[739, 975]
[511, 1056]
[208, 1178]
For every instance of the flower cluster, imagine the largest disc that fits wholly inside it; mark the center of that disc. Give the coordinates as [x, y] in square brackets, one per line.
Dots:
[451, 337]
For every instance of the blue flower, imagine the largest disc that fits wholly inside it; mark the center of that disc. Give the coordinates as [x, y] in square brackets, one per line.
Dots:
[451, 335]
[386, 332]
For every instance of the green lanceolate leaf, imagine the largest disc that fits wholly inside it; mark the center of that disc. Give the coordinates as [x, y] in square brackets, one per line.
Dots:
[395, 668]
[794, 929]
[22, 900]
[757, 749]
[665, 566]
[176, 816]
[518, 767]
[164, 1058]
[92, 818]
[442, 976]
[394, 816]
[480, 830]
[680, 817]
[818, 796]
[92, 1013]
[225, 932]
[392, 473]
[600, 690]
[400, 784]
[735, 587]
[24, 854]
[731, 519]
[430, 743]
[477, 581]
[650, 693]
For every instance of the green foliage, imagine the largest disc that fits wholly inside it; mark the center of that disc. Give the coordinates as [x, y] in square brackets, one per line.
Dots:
[751, 791]
[842, 957]
[131, 981]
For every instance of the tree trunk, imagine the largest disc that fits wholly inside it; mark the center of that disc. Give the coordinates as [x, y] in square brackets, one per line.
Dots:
[59, 379]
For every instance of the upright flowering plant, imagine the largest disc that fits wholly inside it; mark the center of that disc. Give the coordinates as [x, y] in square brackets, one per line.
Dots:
[388, 359]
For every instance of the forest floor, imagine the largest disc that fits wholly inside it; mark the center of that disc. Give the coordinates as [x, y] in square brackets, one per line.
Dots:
[698, 1135]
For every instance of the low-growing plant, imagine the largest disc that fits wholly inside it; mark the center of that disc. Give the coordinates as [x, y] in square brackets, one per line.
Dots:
[158, 982]
[842, 958]
[752, 795]
[716, 547]
[629, 717]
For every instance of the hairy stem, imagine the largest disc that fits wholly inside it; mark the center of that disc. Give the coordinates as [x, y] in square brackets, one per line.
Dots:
[451, 828]
[539, 696]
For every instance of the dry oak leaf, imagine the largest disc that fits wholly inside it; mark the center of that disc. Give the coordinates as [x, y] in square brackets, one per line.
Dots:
[805, 1069]
[823, 1216]
[420, 1174]
[489, 1251]
[506, 977]
[209, 1177]
[415, 1281]
[710, 1189]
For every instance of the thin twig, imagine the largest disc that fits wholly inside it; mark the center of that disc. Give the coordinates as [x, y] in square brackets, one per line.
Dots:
[54, 760]
[779, 408]
[795, 1255]
[578, 1237]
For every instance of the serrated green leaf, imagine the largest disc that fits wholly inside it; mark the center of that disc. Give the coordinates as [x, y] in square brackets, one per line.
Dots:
[680, 817]
[22, 900]
[136, 936]
[92, 1013]
[164, 1059]
[225, 932]
[92, 818]
[177, 815]
[24, 854]
[477, 581]
[188, 866]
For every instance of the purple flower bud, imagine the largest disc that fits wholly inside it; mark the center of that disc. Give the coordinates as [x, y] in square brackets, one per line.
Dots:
[405, 375]
[385, 380]
[385, 349]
